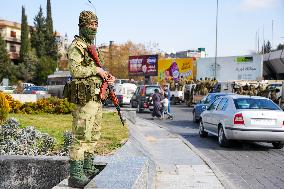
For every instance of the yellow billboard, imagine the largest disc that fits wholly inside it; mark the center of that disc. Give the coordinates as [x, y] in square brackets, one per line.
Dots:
[175, 69]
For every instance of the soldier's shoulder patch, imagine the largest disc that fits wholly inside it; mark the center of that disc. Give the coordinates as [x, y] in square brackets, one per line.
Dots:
[79, 44]
[74, 53]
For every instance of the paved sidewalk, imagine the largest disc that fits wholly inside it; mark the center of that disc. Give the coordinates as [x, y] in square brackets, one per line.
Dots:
[177, 166]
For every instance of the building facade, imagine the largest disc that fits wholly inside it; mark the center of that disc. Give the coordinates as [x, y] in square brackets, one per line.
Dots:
[11, 33]
[196, 53]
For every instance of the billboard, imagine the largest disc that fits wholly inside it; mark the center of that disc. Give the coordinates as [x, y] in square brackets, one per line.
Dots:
[144, 65]
[175, 68]
[248, 67]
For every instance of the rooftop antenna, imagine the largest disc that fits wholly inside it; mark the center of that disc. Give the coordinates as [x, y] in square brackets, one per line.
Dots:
[92, 5]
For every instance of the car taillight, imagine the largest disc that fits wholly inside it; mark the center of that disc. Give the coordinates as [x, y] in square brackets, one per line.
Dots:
[283, 123]
[146, 105]
[239, 119]
[33, 92]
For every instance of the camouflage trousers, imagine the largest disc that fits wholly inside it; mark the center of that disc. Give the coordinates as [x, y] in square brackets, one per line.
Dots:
[85, 129]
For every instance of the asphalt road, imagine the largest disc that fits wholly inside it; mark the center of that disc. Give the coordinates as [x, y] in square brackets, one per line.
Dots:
[247, 165]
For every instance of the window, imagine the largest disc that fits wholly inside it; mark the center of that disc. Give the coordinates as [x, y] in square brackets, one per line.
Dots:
[150, 89]
[12, 48]
[214, 105]
[13, 34]
[223, 104]
[251, 103]
[137, 91]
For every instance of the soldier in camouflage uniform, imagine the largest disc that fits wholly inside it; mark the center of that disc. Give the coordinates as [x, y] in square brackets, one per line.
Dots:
[85, 89]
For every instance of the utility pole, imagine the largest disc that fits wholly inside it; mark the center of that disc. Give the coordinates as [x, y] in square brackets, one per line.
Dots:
[263, 40]
[215, 64]
[258, 41]
[272, 35]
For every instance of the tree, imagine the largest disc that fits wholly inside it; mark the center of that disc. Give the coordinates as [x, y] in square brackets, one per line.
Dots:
[266, 48]
[51, 46]
[38, 35]
[45, 67]
[280, 46]
[116, 58]
[25, 41]
[5, 62]
[26, 71]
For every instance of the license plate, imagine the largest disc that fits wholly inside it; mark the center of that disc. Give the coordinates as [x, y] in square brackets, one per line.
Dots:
[263, 122]
[151, 107]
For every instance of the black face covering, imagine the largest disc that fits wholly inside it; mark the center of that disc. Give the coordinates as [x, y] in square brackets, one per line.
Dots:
[88, 34]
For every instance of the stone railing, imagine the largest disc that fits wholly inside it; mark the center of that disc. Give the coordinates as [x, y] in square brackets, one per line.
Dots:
[38, 172]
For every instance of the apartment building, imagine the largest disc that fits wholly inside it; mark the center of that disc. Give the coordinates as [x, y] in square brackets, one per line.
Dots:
[11, 32]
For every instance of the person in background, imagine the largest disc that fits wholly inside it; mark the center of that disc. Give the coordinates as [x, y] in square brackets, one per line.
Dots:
[168, 93]
[165, 104]
[157, 104]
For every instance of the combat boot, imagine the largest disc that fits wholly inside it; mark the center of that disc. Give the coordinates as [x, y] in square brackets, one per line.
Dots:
[89, 169]
[77, 177]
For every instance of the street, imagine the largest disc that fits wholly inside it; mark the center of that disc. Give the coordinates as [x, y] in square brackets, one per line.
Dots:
[246, 165]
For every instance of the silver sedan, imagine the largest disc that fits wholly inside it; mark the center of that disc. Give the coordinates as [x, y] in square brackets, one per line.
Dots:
[245, 118]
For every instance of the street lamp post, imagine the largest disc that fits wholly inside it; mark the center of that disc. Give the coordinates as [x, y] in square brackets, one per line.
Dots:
[215, 64]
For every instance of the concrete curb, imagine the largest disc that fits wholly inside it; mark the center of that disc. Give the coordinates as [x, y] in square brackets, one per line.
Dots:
[222, 178]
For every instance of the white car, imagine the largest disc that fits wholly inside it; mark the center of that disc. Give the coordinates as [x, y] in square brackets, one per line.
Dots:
[245, 118]
[7, 89]
[125, 91]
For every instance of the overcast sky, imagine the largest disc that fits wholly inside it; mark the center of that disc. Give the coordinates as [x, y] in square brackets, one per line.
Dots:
[174, 25]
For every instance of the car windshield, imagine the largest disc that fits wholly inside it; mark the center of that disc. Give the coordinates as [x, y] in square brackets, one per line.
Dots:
[211, 98]
[150, 89]
[250, 103]
[38, 88]
[121, 81]
[8, 88]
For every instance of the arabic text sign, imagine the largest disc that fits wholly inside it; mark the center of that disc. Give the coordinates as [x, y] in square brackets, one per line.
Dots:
[145, 65]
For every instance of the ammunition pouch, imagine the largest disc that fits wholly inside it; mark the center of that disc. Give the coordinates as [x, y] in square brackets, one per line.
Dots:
[67, 91]
[82, 91]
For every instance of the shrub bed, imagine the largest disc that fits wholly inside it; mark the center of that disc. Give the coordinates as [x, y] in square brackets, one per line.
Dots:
[52, 105]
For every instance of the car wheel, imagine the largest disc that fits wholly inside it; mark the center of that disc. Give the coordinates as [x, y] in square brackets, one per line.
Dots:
[194, 118]
[222, 140]
[138, 109]
[202, 133]
[278, 145]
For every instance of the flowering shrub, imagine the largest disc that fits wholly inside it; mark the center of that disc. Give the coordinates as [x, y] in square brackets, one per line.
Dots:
[67, 143]
[4, 108]
[27, 141]
[50, 105]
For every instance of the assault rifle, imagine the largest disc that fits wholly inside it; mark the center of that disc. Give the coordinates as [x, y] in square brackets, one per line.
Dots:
[94, 55]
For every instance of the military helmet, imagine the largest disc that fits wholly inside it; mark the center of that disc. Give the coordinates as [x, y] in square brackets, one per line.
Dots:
[87, 17]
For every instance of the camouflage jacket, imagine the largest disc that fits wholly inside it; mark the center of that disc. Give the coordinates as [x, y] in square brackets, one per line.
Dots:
[86, 82]
[81, 65]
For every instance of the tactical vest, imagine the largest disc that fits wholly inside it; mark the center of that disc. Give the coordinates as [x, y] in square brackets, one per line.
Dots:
[82, 90]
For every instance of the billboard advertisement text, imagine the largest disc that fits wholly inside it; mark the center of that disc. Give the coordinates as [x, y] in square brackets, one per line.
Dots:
[174, 69]
[145, 65]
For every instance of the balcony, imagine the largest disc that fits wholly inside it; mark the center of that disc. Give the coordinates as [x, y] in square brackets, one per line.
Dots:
[13, 39]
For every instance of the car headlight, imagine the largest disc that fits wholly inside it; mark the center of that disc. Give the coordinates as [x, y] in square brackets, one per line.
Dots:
[203, 107]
